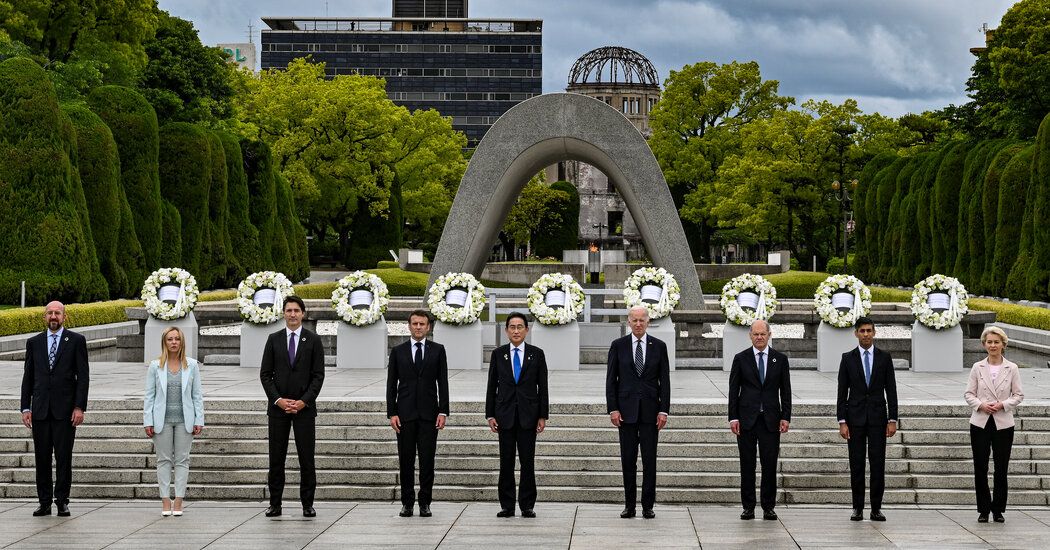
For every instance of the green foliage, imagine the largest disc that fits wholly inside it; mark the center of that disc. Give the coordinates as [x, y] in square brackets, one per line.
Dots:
[885, 189]
[185, 80]
[971, 242]
[838, 265]
[298, 260]
[223, 265]
[789, 285]
[31, 319]
[171, 251]
[990, 208]
[134, 126]
[44, 234]
[387, 264]
[564, 234]
[262, 198]
[282, 254]
[909, 254]
[99, 166]
[867, 247]
[538, 206]
[185, 175]
[1034, 317]
[1012, 192]
[244, 237]
[945, 212]
[1038, 277]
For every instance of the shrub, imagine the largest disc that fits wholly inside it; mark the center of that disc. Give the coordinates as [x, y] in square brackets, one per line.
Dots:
[262, 199]
[387, 264]
[1012, 192]
[171, 252]
[864, 216]
[185, 175]
[222, 264]
[288, 219]
[43, 237]
[837, 265]
[945, 211]
[1038, 278]
[31, 319]
[564, 233]
[244, 237]
[133, 123]
[990, 208]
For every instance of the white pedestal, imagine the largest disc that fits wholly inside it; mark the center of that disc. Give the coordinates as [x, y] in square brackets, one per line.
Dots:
[361, 347]
[664, 330]
[253, 340]
[832, 342]
[936, 350]
[462, 344]
[735, 339]
[560, 344]
[156, 327]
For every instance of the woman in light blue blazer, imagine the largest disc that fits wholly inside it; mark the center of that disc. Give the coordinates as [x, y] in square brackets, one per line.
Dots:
[172, 413]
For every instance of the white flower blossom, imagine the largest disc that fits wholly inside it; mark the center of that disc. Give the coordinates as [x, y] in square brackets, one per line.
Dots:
[547, 315]
[186, 301]
[957, 295]
[658, 276]
[252, 312]
[747, 282]
[456, 315]
[360, 280]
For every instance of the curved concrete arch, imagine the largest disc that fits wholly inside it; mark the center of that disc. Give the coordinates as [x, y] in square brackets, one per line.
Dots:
[542, 131]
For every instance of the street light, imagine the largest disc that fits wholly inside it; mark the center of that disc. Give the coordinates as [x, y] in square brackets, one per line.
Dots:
[595, 261]
[843, 194]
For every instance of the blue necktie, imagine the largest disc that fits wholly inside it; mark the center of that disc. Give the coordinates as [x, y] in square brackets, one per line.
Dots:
[517, 366]
[867, 369]
[52, 351]
[761, 368]
[291, 349]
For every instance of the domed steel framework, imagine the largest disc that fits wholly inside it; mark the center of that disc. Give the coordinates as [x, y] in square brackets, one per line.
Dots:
[613, 65]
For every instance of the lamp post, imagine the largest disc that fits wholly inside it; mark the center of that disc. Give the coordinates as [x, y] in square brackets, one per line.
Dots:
[595, 266]
[843, 194]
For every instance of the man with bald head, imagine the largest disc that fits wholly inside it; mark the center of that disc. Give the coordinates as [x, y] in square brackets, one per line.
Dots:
[54, 398]
[638, 397]
[759, 411]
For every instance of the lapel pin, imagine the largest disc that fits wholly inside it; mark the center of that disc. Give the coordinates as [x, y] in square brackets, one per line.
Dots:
[774, 360]
[529, 358]
[505, 356]
[66, 339]
[303, 339]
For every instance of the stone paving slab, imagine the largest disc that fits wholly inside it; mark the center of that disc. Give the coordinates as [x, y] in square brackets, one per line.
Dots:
[138, 524]
[113, 380]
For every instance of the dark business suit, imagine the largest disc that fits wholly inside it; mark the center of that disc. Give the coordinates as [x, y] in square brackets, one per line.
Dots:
[639, 399]
[517, 408]
[759, 406]
[301, 380]
[51, 394]
[867, 410]
[417, 394]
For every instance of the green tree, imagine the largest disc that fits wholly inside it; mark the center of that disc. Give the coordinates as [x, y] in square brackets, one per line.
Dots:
[554, 237]
[695, 124]
[539, 204]
[223, 262]
[45, 239]
[244, 237]
[171, 249]
[867, 249]
[908, 257]
[185, 175]
[134, 126]
[262, 198]
[1038, 277]
[185, 80]
[991, 196]
[1013, 189]
[945, 211]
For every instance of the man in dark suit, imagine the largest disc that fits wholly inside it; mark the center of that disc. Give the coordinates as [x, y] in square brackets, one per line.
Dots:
[867, 413]
[517, 407]
[292, 373]
[759, 411]
[638, 397]
[417, 405]
[54, 398]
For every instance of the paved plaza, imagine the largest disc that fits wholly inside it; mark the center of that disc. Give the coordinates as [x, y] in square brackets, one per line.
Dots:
[138, 525]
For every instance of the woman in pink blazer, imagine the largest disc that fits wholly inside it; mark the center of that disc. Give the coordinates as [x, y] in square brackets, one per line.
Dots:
[994, 391]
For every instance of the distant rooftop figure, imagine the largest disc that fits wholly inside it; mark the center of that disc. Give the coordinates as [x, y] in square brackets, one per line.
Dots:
[613, 65]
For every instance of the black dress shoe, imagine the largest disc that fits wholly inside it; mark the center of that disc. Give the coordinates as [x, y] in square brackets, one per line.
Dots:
[769, 514]
[424, 511]
[648, 513]
[747, 514]
[505, 513]
[877, 516]
[273, 511]
[982, 518]
[627, 513]
[44, 510]
[858, 515]
[406, 511]
[309, 512]
[528, 513]
[63, 509]
[998, 517]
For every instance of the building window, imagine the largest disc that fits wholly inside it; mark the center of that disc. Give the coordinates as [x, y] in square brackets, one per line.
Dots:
[626, 109]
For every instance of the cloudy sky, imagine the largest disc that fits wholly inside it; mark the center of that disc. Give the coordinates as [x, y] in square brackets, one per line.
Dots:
[893, 56]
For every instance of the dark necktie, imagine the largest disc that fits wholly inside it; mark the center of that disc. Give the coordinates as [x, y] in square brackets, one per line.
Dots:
[867, 368]
[761, 368]
[639, 361]
[52, 351]
[418, 358]
[291, 349]
[517, 366]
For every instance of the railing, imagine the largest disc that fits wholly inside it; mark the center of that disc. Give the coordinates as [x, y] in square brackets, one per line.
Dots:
[588, 310]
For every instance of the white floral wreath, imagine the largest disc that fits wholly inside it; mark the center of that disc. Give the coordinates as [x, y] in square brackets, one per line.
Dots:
[547, 315]
[827, 311]
[957, 302]
[254, 313]
[657, 276]
[767, 299]
[184, 301]
[360, 281]
[446, 313]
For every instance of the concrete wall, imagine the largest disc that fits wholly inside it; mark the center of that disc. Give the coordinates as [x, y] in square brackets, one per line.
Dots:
[616, 274]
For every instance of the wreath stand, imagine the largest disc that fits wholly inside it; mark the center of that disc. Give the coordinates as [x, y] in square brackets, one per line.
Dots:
[832, 342]
[361, 347]
[735, 338]
[463, 346]
[155, 327]
[560, 344]
[253, 341]
[936, 350]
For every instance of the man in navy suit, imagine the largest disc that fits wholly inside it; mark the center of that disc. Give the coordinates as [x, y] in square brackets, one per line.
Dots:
[638, 397]
[517, 407]
[867, 413]
[417, 406]
[759, 411]
[292, 373]
[54, 398]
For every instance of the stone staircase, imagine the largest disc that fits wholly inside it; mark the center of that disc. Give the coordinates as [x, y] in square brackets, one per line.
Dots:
[577, 456]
